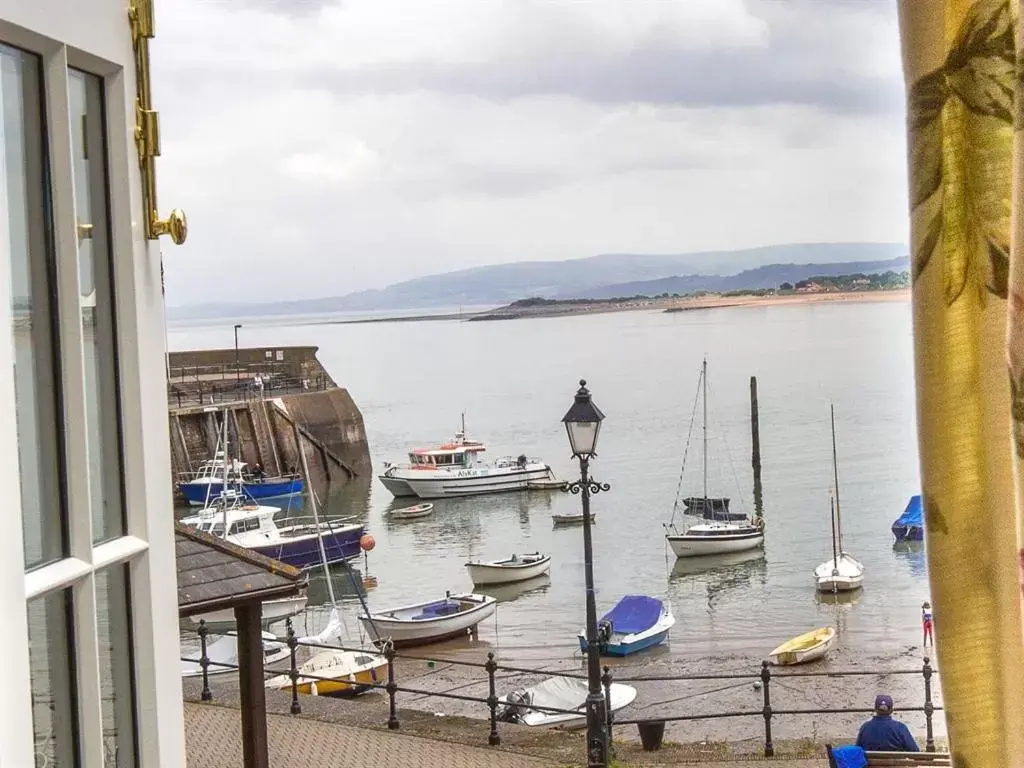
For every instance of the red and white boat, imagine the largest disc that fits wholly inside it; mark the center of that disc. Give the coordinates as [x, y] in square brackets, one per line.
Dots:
[455, 469]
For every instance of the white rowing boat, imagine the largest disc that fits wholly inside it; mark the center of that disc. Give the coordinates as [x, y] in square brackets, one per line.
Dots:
[411, 513]
[431, 621]
[519, 567]
[564, 518]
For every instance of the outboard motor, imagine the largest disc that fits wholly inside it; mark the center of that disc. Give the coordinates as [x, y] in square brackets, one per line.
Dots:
[516, 705]
[604, 633]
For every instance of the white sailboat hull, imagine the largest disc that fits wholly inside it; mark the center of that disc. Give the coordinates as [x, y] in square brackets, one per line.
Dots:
[843, 574]
[701, 546]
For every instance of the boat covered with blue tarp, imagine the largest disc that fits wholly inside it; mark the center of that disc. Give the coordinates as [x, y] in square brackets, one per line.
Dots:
[910, 525]
[636, 622]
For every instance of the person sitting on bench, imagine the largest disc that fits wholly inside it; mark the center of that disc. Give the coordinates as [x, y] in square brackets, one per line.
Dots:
[882, 733]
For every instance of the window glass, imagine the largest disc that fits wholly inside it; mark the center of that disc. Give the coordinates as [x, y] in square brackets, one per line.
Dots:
[96, 288]
[51, 668]
[26, 252]
[117, 689]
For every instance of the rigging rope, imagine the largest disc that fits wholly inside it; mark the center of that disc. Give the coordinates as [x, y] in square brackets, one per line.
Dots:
[732, 465]
[686, 449]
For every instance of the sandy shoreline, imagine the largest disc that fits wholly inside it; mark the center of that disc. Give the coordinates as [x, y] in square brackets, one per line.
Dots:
[514, 312]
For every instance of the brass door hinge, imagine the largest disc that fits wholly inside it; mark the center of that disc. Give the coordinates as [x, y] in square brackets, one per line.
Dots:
[147, 128]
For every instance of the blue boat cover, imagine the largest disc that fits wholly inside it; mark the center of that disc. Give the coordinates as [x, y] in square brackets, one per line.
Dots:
[849, 757]
[912, 518]
[634, 613]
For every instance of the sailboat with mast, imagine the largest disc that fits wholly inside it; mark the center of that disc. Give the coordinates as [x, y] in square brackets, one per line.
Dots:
[727, 532]
[843, 573]
[333, 671]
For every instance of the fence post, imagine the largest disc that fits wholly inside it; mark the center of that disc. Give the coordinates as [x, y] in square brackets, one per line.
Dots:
[606, 681]
[929, 709]
[766, 679]
[204, 660]
[392, 686]
[494, 739]
[293, 672]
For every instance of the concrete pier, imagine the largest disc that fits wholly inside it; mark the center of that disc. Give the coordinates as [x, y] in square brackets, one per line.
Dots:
[278, 401]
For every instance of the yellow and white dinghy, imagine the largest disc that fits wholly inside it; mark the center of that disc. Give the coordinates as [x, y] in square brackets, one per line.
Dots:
[809, 646]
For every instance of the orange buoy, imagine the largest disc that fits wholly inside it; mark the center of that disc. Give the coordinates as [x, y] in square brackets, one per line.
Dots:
[366, 542]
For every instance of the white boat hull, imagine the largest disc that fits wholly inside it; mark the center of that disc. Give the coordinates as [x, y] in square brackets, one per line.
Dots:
[273, 610]
[398, 487]
[568, 519]
[845, 575]
[440, 484]
[565, 694]
[506, 573]
[406, 631]
[700, 546]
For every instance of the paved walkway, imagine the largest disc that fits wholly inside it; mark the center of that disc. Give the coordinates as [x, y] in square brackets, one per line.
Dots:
[213, 736]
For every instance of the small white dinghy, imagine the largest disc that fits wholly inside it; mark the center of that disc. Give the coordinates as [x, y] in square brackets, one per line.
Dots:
[431, 621]
[525, 705]
[566, 518]
[411, 513]
[809, 646]
[549, 484]
[224, 650]
[519, 567]
[843, 573]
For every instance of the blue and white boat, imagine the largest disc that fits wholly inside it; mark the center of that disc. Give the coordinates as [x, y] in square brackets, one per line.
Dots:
[910, 525]
[204, 485]
[635, 623]
[293, 541]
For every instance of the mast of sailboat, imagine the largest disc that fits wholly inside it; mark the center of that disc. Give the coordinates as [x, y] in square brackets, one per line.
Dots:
[832, 517]
[224, 488]
[319, 532]
[704, 380]
[755, 450]
[835, 473]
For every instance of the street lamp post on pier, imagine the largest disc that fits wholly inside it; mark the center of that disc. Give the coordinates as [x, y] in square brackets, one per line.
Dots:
[583, 423]
[238, 372]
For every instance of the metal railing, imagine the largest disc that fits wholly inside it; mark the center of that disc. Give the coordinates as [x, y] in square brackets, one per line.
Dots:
[767, 713]
[193, 393]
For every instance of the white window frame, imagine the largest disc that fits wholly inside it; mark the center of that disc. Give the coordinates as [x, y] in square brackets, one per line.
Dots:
[95, 36]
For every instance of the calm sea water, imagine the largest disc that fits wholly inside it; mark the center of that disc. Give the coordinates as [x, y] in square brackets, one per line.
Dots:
[514, 380]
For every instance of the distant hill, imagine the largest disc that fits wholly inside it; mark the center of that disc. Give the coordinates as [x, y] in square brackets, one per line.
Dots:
[769, 276]
[588, 277]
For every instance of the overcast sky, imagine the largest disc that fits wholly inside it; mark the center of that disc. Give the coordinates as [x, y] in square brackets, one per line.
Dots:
[326, 146]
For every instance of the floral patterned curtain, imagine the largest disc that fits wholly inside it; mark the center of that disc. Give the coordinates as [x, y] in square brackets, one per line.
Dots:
[965, 103]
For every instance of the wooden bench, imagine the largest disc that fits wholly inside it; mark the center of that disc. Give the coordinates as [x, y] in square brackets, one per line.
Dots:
[900, 759]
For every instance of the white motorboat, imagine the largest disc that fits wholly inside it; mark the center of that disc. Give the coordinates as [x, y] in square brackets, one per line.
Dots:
[293, 541]
[519, 567]
[563, 518]
[636, 622]
[526, 705]
[453, 469]
[842, 573]
[731, 533]
[431, 621]
[411, 513]
[809, 646]
[273, 611]
[224, 651]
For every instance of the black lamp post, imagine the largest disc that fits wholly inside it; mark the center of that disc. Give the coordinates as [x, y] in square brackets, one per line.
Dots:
[238, 372]
[583, 423]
